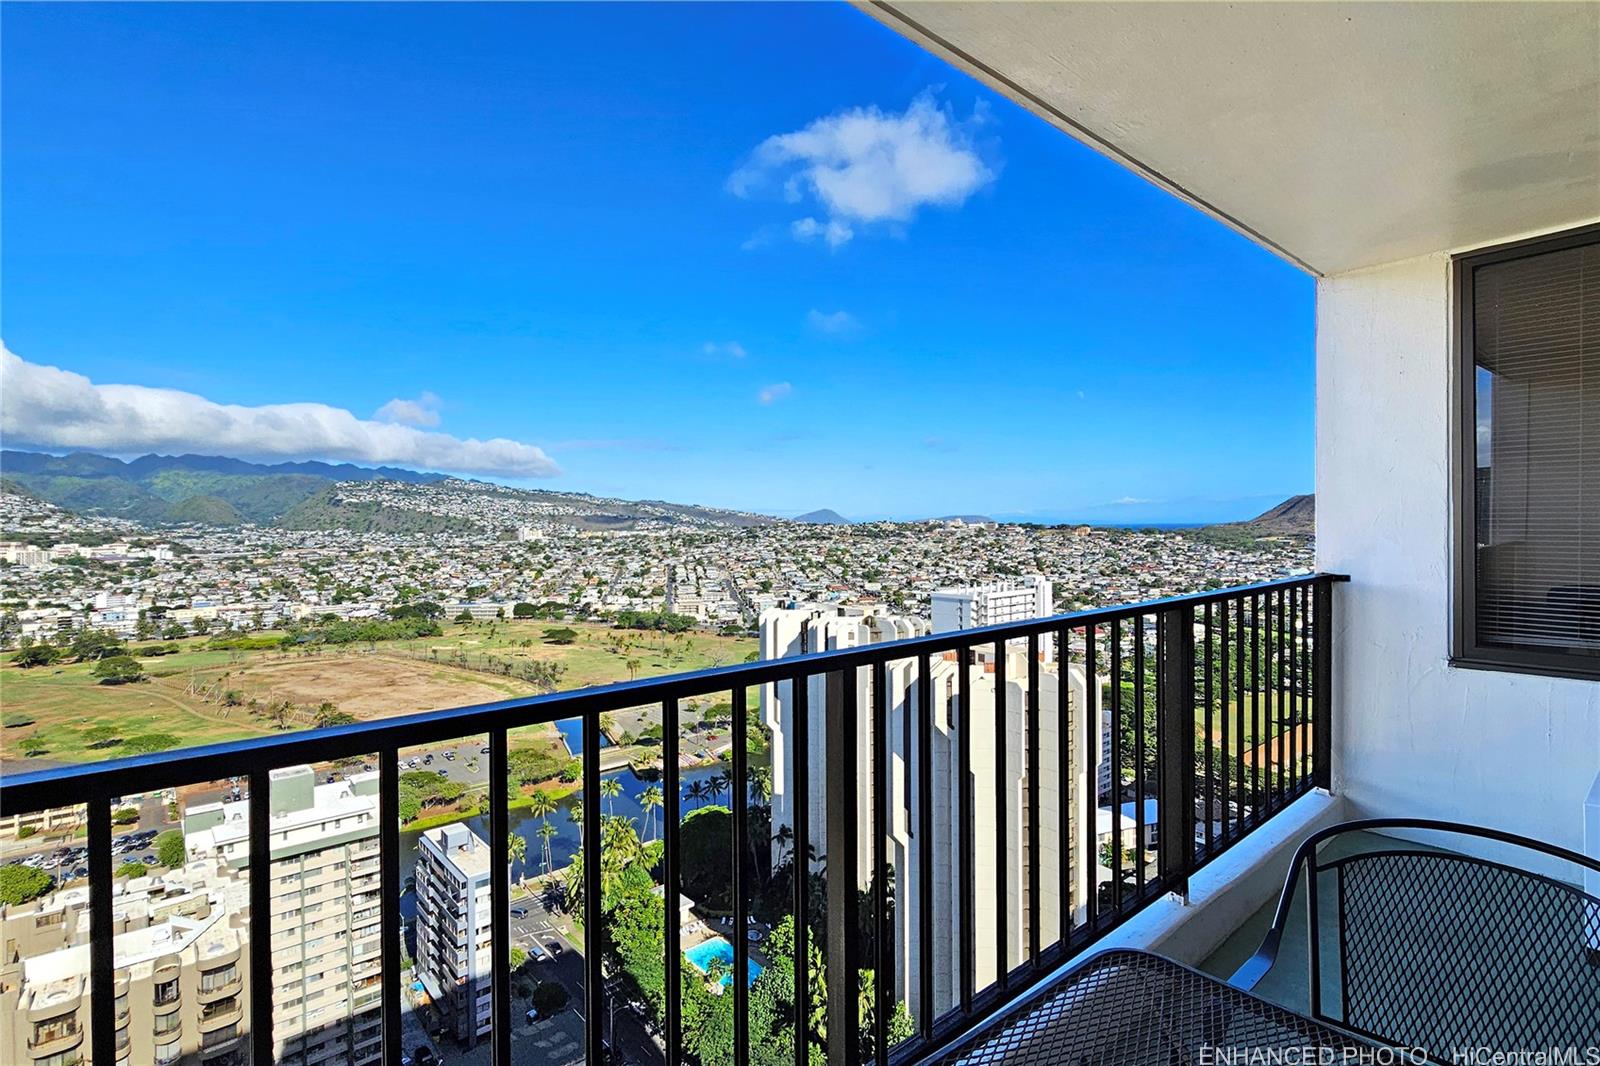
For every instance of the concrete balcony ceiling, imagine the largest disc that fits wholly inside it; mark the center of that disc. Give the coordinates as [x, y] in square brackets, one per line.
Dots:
[1340, 135]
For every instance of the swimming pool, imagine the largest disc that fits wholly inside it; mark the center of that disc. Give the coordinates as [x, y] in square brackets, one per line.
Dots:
[718, 950]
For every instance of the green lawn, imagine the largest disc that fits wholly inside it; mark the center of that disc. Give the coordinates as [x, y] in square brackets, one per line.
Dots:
[183, 693]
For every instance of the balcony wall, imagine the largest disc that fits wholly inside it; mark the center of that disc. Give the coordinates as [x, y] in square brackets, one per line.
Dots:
[1414, 736]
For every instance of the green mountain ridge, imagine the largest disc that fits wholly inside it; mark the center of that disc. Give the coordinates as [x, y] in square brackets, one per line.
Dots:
[329, 509]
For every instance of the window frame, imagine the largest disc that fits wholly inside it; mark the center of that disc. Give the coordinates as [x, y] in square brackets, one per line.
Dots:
[1465, 649]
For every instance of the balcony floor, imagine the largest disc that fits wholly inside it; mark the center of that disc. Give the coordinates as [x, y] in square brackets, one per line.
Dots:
[1288, 983]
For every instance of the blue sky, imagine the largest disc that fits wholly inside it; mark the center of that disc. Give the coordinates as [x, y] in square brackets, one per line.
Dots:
[644, 242]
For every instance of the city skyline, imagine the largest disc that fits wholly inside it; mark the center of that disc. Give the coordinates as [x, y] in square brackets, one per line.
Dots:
[838, 254]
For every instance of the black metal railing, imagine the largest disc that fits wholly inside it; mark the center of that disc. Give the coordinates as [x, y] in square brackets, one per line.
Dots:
[1189, 721]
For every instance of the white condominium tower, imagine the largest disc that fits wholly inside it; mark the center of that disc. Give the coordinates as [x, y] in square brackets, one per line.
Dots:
[812, 628]
[454, 927]
[993, 604]
[326, 909]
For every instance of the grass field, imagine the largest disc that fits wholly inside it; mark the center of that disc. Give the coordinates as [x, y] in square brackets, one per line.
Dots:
[184, 692]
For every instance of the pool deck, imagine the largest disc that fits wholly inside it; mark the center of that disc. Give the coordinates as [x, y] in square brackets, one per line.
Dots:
[700, 931]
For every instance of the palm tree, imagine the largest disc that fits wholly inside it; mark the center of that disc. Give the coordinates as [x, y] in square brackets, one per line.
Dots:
[611, 788]
[572, 897]
[517, 847]
[696, 791]
[650, 799]
[542, 805]
[546, 833]
[784, 837]
[633, 668]
[575, 816]
[760, 780]
[717, 785]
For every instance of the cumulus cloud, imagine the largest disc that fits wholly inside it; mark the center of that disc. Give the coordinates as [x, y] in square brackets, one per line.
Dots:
[833, 323]
[53, 408]
[773, 393]
[423, 411]
[866, 166]
[731, 349]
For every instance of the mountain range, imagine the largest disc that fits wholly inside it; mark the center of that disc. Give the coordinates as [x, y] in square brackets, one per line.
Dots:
[208, 489]
[219, 491]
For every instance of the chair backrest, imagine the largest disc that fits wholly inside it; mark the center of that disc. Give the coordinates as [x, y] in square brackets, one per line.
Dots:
[1438, 949]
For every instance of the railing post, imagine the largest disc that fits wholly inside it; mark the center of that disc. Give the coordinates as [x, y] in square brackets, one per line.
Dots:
[499, 901]
[843, 906]
[1175, 735]
[1322, 683]
[102, 955]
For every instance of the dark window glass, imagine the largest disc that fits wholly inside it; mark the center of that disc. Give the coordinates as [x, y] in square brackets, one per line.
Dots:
[1530, 452]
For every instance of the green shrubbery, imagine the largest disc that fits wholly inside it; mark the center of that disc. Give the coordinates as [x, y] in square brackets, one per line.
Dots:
[666, 621]
[19, 884]
[169, 849]
[346, 632]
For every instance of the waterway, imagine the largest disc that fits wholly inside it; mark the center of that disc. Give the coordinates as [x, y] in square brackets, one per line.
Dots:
[564, 845]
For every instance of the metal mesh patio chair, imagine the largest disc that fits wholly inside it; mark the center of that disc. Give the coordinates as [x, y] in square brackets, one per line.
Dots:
[1421, 947]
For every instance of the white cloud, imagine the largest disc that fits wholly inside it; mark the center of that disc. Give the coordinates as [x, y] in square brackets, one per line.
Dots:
[1129, 501]
[866, 166]
[423, 411]
[53, 408]
[808, 229]
[773, 393]
[833, 323]
[732, 349]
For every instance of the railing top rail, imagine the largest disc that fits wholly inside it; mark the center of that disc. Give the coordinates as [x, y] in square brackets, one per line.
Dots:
[64, 786]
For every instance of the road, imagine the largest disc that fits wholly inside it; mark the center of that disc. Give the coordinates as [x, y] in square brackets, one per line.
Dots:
[554, 935]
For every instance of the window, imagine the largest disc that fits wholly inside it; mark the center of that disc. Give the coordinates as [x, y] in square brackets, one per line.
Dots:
[57, 1028]
[166, 992]
[220, 1008]
[219, 1036]
[1528, 456]
[211, 980]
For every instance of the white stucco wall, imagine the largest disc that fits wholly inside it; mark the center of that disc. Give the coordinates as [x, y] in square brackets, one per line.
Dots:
[1413, 735]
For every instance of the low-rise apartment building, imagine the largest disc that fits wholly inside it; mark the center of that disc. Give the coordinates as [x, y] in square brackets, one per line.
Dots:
[181, 950]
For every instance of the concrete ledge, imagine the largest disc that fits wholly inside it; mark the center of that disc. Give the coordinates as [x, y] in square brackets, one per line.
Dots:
[1229, 890]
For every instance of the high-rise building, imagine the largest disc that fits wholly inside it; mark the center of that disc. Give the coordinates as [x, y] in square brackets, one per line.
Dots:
[993, 604]
[180, 951]
[812, 628]
[326, 909]
[454, 927]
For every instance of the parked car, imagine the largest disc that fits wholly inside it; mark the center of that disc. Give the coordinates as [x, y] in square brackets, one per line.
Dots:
[519, 912]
